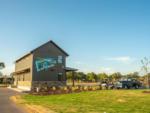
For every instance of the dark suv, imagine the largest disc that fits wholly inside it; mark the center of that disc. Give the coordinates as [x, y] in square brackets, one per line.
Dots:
[128, 84]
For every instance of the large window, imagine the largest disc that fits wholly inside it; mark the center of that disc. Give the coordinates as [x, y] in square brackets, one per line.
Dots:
[60, 59]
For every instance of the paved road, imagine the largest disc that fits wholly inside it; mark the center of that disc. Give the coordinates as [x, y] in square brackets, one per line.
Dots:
[7, 106]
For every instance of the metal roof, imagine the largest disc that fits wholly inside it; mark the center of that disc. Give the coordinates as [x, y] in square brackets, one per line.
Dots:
[22, 71]
[70, 69]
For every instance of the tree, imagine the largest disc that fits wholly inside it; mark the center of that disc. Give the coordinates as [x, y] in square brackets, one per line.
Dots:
[2, 65]
[115, 76]
[69, 76]
[1, 74]
[81, 76]
[103, 76]
[144, 78]
[145, 67]
[92, 77]
[134, 75]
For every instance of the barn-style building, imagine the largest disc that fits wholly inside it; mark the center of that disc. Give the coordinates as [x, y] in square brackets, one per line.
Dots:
[43, 65]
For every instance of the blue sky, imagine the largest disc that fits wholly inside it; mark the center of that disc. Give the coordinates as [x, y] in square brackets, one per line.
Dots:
[99, 35]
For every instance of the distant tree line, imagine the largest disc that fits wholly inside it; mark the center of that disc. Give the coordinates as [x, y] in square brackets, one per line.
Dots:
[93, 77]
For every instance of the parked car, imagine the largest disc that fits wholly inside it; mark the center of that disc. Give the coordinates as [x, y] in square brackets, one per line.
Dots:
[127, 84]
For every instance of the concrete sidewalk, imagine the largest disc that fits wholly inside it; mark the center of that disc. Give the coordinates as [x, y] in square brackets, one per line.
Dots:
[20, 90]
[6, 105]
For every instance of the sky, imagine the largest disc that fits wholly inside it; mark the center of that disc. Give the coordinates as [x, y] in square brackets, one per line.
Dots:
[99, 35]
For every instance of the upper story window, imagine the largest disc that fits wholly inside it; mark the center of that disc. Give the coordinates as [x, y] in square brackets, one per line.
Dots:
[60, 59]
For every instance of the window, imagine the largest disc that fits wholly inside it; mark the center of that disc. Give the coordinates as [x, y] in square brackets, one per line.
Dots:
[60, 59]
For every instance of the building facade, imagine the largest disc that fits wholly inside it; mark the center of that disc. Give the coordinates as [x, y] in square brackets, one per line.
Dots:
[45, 65]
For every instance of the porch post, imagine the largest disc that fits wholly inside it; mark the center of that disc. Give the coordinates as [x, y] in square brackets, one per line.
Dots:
[73, 77]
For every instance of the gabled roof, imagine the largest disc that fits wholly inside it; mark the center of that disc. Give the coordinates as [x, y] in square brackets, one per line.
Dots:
[42, 46]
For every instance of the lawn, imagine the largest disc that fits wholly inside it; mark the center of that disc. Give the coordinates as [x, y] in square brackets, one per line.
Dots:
[104, 101]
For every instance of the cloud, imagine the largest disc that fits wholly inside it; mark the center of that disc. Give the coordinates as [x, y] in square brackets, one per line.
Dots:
[107, 70]
[97, 70]
[78, 63]
[124, 59]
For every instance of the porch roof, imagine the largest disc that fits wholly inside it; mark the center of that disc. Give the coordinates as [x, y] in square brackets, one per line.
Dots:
[22, 71]
[68, 69]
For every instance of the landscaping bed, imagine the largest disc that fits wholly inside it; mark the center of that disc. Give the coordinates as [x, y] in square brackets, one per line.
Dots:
[63, 90]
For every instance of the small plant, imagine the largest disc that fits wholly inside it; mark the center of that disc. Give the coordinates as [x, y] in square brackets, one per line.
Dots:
[53, 88]
[85, 88]
[73, 89]
[94, 88]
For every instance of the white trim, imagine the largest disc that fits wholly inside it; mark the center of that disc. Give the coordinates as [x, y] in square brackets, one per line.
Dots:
[24, 88]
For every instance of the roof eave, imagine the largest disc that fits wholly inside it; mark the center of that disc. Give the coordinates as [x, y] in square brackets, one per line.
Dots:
[31, 52]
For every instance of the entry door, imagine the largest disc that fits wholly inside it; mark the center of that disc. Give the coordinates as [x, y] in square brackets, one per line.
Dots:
[60, 76]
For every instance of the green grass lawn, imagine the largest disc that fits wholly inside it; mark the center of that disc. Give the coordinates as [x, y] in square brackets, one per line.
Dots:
[109, 101]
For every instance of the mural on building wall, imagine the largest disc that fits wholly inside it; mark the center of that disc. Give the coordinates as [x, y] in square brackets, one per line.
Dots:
[46, 63]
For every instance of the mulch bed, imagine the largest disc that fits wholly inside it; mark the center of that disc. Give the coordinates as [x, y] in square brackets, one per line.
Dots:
[57, 92]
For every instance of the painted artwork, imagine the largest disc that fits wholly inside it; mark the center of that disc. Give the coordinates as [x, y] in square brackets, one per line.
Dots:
[45, 63]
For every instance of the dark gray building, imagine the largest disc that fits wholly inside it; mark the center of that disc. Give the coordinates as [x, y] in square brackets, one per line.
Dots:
[43, 65]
